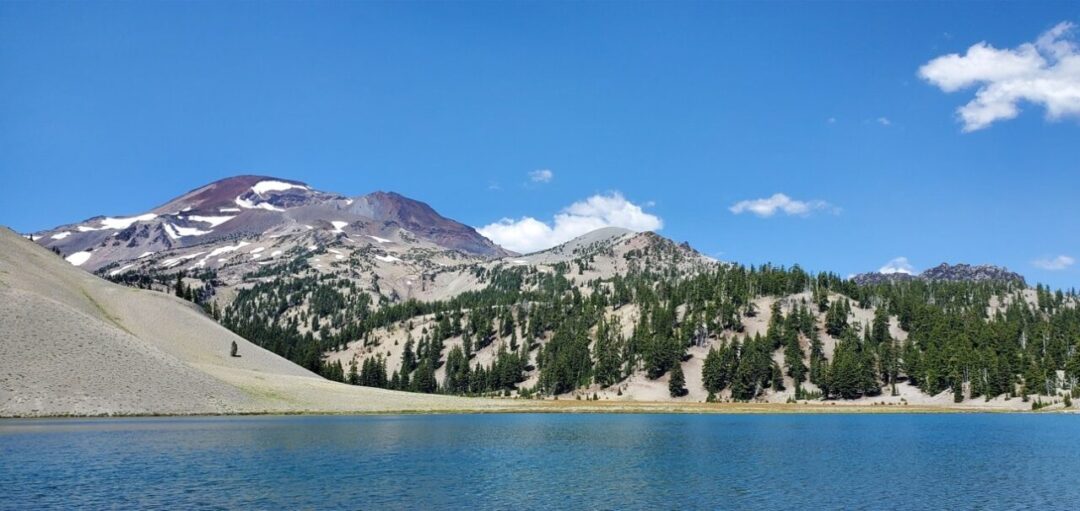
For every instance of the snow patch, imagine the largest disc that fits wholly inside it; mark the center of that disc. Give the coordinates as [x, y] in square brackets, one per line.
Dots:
[214, 221]
[275, 186]
[144, 254]
[61, 235]
[231, 248]
[124, 223]
[169, 263]
[78, 258]
[229, 210]
[387, 259]
[378, 239]
[175, 232]
[257, 250]
[275, 253]
[121, 270]
[221, 250]
[85, 228]
[247, 204]
[338, 225]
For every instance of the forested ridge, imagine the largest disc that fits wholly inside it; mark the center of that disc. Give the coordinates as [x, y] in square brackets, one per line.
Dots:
[975, 339]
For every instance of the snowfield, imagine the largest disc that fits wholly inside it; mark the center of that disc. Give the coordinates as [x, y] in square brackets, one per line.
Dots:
[176, 232]
[339, 225]
[169, 263]
[61, 235]
[387, 259]
[378, 239]
[274, 186]
[244, 203]
[124, 223]
[214, 221]
[78, 258]
[121, 270]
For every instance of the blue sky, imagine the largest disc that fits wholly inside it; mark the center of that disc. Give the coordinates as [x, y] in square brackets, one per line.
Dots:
[683, 110]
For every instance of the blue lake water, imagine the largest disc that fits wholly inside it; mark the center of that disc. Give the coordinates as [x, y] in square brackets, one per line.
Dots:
[541, 461]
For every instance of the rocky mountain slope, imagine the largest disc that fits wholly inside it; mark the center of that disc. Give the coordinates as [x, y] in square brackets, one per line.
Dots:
[248, 208]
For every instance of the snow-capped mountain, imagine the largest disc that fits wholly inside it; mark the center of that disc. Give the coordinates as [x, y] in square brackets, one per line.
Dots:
[247, 208]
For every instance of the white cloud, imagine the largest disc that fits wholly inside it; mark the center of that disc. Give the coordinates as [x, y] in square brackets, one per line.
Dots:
[1054, 263]
[884, 121]
[541, 176]
[781, 203]
[1045, 72]
[529, 234]
[898, 265]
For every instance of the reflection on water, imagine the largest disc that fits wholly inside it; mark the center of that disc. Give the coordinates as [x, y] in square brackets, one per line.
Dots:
[545, 462]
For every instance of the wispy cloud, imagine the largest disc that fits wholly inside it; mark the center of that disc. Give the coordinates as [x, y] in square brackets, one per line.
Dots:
[1056, 263]
[528, 234]
[884, 121]
[898, 265]
[1045, 72]
[781, 203]
[541, 176]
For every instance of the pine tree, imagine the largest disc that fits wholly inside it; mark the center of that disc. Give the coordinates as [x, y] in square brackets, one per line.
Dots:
[354, 376]
[677, 382]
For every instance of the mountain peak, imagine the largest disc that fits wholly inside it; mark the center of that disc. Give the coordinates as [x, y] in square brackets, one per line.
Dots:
[242, 192]
[391, 208]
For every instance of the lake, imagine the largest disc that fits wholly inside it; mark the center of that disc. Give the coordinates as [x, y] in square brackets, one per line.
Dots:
[545, 462]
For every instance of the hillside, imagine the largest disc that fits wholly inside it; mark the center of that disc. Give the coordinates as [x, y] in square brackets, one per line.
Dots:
[74, 344]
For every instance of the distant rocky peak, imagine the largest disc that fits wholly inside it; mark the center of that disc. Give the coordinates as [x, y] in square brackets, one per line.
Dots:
[945, 272]
[971, 273]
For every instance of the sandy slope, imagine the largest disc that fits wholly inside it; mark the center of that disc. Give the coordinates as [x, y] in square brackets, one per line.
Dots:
[74, 344]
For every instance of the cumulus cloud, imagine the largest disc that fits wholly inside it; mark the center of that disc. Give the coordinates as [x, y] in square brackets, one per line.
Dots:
[541, 176]
[781, 203]
[528, 234]
[1054, 263]
[1045, 72]
[898, 265]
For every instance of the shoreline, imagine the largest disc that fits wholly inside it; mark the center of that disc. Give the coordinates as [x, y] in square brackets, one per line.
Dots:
[586, 407]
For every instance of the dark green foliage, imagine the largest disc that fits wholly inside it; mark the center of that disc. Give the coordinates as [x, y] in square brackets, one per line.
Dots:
[677, 382]
[952, 343]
